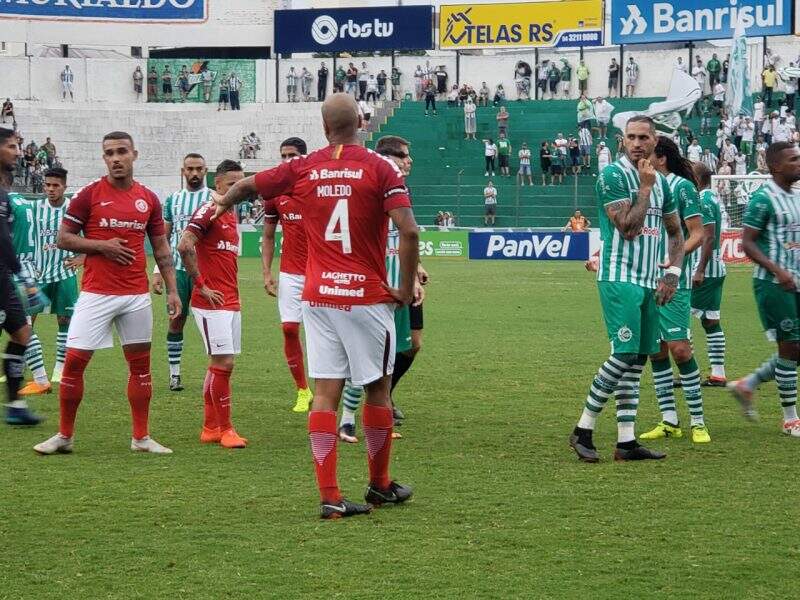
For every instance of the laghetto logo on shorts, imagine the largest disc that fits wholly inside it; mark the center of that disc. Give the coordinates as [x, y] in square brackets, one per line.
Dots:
[325, 29]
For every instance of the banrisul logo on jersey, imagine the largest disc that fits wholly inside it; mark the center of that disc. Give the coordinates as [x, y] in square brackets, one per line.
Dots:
[354, 29]
[648, 21]
[536, 245]
[111, 10]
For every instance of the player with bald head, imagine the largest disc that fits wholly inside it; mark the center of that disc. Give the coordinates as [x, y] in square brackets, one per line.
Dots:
[347, 194]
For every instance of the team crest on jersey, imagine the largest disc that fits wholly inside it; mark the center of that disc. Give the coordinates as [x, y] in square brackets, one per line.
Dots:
[787, 324]
[141, 205]
[624, 334]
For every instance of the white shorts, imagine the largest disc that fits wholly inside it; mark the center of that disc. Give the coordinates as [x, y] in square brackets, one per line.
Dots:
[221, 330]
[91, 324]
[290, 289]
[356, 343]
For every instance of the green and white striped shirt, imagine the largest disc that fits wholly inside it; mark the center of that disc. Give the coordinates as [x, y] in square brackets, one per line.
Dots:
[684, 193]
[631, 261]
[715, 267]
[393, 256]
[49, 259]
[23, 233]
[178, 210]
[776, 215]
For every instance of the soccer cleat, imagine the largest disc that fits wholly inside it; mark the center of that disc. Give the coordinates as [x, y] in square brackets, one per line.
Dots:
[662, 430]
[715, 382]
[57, 372]
[175, 384]
[585, 451]
[396, 493]
[210, 436]
[58, 444]
[304, 398]
[637, 453]
[22, 416]
[231, 439]
[398, 415]
[148, 444]
[347, 433]
[744, 394]
[792, 428]
[343, 508]
[33, 389]
[700, 434]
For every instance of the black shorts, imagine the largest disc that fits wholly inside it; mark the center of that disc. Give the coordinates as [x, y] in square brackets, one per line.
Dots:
[553, 85]
[503, 160]
[12, 313]
[415, 314]
[491, 209]
[166, 88]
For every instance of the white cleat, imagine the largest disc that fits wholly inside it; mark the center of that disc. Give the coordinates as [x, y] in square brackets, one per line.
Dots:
[148, 444]
[58, 444]
[792, 428]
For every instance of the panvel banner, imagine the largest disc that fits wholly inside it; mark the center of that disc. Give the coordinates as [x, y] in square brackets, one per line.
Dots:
[220, 69]
[182, 11]
[554, 24]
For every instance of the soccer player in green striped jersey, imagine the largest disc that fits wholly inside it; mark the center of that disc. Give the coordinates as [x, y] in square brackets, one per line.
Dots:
[709, 278]
[178, 210]
[55, 269]
[771, 239]
[636, 205]
[675, 317]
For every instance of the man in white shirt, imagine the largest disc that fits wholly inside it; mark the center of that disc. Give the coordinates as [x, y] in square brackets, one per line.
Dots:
[561, 143]
[694, 151]
[741, 164]
[699, 73]
[363, 78]
[585, 145]
[789, 87]
[524, 165]
[710, 160]
[603, 156]
[632, 76]
[728, 153]
[602, 111]
[680, 65]
[719, 96]
[758, 114]
[490, 203]
[748, 134]
[781, 132]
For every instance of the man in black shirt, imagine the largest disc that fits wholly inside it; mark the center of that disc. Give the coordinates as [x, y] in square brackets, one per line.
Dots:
[441, 80]
[322, 82]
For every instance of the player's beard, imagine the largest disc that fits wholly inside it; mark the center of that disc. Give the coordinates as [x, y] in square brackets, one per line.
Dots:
[195, 183]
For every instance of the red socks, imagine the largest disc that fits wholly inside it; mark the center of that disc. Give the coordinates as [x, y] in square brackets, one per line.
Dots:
[140, 389]
[378, 423]
[219, 388]
[209, 412]
[70, 392]
[323, 435]
[294, 353]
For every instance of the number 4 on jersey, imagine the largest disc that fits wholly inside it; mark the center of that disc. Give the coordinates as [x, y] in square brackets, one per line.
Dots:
[340, 219]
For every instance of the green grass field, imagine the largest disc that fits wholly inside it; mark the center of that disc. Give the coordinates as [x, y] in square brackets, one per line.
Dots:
[502, 507]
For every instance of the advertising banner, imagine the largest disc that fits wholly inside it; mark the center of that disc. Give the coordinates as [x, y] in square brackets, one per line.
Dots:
[541, 245]
[443, 243]
[649, 21]
[354, 29]
[220, 69]
[549, 24]
[730, 246]
[182, 11]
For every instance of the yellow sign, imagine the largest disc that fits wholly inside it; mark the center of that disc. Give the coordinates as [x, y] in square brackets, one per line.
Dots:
[548, 24]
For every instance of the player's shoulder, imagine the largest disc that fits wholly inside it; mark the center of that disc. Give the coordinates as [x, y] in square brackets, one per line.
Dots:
[612, 175]
[149, 195]
[89, 189]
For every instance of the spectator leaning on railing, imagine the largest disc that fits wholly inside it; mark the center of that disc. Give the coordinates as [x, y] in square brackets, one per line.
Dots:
[490, 203]
[577, 222]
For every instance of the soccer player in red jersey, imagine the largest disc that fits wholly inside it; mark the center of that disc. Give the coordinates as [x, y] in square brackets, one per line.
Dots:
[114, 214]
[347, 194]
[289, 289]
[209, 250]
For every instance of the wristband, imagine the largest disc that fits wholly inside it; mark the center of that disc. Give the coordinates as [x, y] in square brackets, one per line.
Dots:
[155, 270]
[674, 270]
[199, 281]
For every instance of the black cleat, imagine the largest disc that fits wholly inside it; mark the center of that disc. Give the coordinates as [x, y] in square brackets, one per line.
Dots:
[396, 493]
[343, 508]
[175, 384]
[347, 433]
[585, 452]
[398, 416]
[637, 453]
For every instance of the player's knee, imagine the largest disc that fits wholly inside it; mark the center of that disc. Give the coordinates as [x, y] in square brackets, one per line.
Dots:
[224, 363]
[177, 324]
[710, 325]
[76, 361]
[378, 392]
[138, 361]
[291, 331]
[681, 351]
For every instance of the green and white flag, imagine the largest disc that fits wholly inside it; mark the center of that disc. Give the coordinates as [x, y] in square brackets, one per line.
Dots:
[738, 99]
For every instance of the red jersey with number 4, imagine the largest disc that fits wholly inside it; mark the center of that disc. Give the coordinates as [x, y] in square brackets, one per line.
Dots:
[104, 212]
[294, 251]
[217, 256]
[344, 194]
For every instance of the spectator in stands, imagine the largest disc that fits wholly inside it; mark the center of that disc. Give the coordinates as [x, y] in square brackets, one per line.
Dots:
[470, 120]
[602, 112]
[50, 151]
[430, 98]
[554, 78]
[366, 112]
[57, 163]
[577, 222]
[152, 85]
[544, 162]
[761, 155]
[522, 79]
[704, 109]
[699, 74]
[789, 88]
[719, 97]
[439, 219]
[183, 83]
[166, 84]
[768, 126]
[224, 95]
[37, 180]
[363, 78]
[490, 204]
[694, 151]
[504, 154]
[746, 134]
[781, 132]
[372, 88]
[613, 77]
[557, 160]
[603, 156]
[419, 83]
[768, 77]
[483, 95]
[291, 85]
[741, 164]
[585, 111]
[728, 153]
[489, 154]
[582, 73]
[351, 80]
[714, 69]
[207, 79]
[632, 77]
[542, 75]
[306, 79]
[449, 219]
[573, 155]
[381, 80]
[339, 78]
[724, 185]
[499, 95]
[67, 84]
[685, 137]
[710, 160]
[250, 145]
[28, 161]
[524, 156]
[322, 82]
[680, 65]
[725, 64]
[441, 80]
[566, 77]
[585, 144]
[395, 78]
[463, 94]
[8, 111]
[502, 120]
[234, 87]
[561, 143]
[138, 80]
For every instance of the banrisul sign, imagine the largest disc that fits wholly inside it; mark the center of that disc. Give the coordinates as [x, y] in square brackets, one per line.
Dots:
[648, 21]
[354, 29]
[108, 10]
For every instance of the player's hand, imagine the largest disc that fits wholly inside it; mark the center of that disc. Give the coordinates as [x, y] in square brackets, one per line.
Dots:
[117, 250]
[786, 280]
[698, 278]
[419, 294]
[157, 284]
[666, 289]
[422, 274]
[220, 208]
[75, 262]
[591, 266]
[174, 305]
[647, 173]
[214, 297]
[402, 297]
[270, 285]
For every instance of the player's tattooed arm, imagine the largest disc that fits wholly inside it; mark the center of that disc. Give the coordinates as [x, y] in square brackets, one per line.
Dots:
[784, 278]
[408, 252]
[629, 218]
[675, 244]
[237, 193]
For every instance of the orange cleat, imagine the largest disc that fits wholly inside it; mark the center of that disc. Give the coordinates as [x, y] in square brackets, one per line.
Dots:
[231, 439]
[210, 436]
[33, 389]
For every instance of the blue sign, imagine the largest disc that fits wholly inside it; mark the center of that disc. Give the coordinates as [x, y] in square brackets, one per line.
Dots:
[648, 21]
[354, 29]
[539, 245]
[115, 10]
